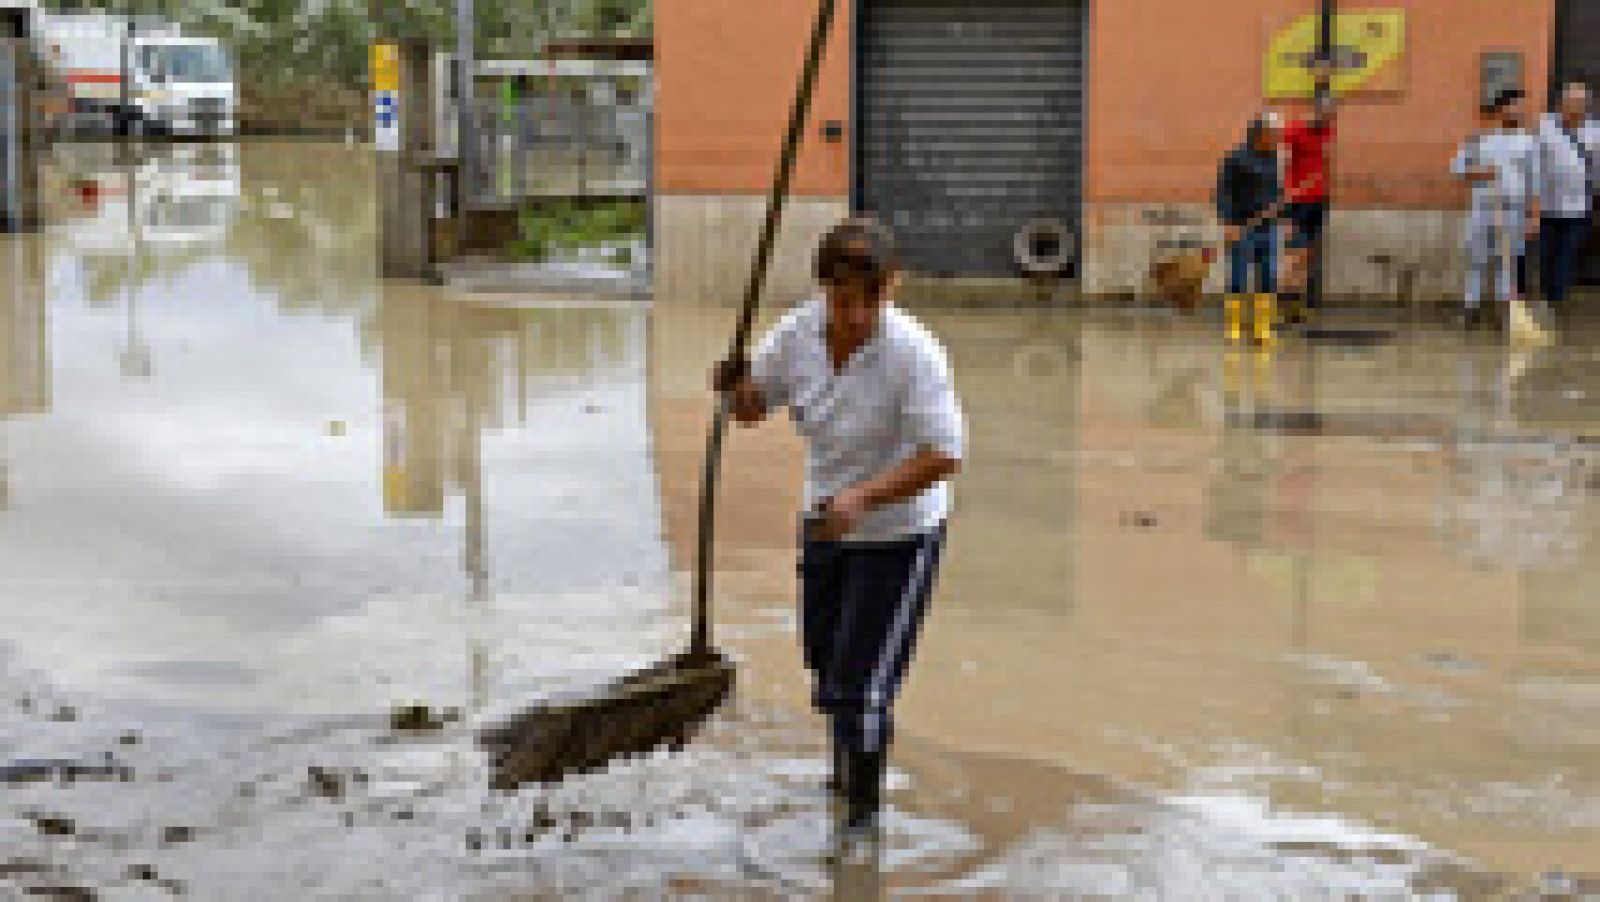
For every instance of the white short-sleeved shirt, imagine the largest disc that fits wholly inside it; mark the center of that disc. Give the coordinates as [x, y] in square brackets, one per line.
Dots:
[1566, 184]
[1514, 155]
[893, 397]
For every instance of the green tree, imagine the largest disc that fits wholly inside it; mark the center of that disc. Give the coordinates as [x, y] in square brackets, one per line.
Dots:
[295, 53]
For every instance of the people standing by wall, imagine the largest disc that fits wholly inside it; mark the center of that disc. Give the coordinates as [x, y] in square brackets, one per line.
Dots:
[1501, 163]
[1248, 197]
[1307, 143]
[1569, 152]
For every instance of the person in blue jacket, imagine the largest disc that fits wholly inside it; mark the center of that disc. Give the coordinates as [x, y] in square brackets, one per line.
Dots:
[1249, 195]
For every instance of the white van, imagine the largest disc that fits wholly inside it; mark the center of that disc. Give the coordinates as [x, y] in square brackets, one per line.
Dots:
[186, 85]
[177, 85]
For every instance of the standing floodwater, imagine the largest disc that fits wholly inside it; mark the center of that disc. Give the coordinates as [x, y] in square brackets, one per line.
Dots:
[1317, 621]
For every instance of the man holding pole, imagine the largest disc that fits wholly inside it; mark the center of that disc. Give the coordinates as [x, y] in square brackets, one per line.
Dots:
[1501, 164]
[870, 391]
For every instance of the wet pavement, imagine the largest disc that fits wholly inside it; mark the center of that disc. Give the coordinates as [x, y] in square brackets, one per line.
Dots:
[1317, 623]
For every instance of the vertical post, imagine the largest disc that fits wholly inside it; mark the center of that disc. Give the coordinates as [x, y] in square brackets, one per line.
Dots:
[11, 134]
[647, 97]
[466, 103]
[1324, 94]
[122, 122]
[399, 135]
[1325, 37]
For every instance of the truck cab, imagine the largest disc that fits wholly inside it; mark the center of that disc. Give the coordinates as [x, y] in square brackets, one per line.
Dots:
[183, 86]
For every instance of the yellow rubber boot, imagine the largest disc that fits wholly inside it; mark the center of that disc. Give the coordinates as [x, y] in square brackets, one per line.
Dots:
[1266, 312]
[1261, 376]
[1232, 377]
[1233, 315]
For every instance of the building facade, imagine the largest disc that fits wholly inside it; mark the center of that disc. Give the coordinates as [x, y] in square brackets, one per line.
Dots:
[962, 123]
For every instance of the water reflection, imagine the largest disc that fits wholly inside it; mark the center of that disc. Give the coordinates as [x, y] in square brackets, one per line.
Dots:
[24, 344]
[1247, 590]
[458, 369]
[1518, 494]
[1227, 573]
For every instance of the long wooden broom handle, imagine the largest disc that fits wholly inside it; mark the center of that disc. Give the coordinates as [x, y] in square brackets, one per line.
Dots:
[700, 643]
[1277, 209]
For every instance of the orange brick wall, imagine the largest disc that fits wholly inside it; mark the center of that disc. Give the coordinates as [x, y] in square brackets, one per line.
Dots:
[1170, 85]
[726, 73]
[1173, 82]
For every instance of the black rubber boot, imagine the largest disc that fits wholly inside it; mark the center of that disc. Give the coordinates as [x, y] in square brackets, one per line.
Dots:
[838, 777]
[863, 794]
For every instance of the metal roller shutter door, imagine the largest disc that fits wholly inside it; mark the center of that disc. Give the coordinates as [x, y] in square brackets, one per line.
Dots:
[969, 123]
[1577, 56]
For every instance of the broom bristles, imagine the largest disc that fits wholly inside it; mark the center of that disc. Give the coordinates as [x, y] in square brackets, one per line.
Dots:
[1524, 326]
[662, 706]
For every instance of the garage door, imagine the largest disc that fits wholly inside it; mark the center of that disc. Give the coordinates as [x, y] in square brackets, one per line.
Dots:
[1577, 56]
[969, 124]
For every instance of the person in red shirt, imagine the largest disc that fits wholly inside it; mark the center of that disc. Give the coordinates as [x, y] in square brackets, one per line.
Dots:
[1306, 144]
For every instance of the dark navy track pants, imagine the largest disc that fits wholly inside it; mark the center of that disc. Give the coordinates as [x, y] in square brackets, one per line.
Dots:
[862, 606]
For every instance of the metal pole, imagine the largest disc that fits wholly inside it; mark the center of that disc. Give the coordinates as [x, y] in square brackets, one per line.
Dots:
[11, 101]
[466, 72]
[1324, 93]
[123, 122]
[1325, 36]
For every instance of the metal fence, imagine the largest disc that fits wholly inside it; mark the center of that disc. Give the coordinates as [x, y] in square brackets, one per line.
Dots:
[567, 128]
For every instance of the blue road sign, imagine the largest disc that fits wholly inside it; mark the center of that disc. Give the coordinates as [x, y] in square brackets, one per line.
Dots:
[386, 119]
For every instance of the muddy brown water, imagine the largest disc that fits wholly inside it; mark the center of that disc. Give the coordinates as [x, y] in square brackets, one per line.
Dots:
[1314, 624]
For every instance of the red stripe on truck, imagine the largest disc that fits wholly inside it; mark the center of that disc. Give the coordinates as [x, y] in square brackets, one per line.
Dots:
[83, 77]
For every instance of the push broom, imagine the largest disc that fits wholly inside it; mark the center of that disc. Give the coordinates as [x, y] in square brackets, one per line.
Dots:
[663, 705]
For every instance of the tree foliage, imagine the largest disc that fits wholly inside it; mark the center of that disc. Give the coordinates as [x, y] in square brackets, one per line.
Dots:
[325, 41]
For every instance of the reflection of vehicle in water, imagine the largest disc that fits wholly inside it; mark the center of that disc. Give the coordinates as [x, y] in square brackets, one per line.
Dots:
[189, 195]
[180, 195]
[177, 84]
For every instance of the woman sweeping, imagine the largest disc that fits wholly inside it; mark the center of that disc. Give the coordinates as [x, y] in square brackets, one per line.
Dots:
[870, 392]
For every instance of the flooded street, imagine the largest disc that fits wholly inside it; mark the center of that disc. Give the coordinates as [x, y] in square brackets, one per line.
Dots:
[1316, 623]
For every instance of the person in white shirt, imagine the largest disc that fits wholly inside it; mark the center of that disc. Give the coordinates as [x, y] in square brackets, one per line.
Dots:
[1569, 152]
[870, 391]
[1501, 164]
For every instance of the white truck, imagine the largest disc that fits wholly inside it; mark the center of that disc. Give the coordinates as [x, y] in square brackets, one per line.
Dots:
[176, 84]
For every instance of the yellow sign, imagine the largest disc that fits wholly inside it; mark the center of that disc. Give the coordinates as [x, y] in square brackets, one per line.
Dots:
[385, 67]
[1368, 54]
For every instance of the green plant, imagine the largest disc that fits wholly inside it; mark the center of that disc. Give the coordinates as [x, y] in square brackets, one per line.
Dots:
[565, 225]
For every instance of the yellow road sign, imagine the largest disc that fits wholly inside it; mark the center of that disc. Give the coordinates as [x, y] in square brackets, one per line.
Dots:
[385, 67]
[1369, 53]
